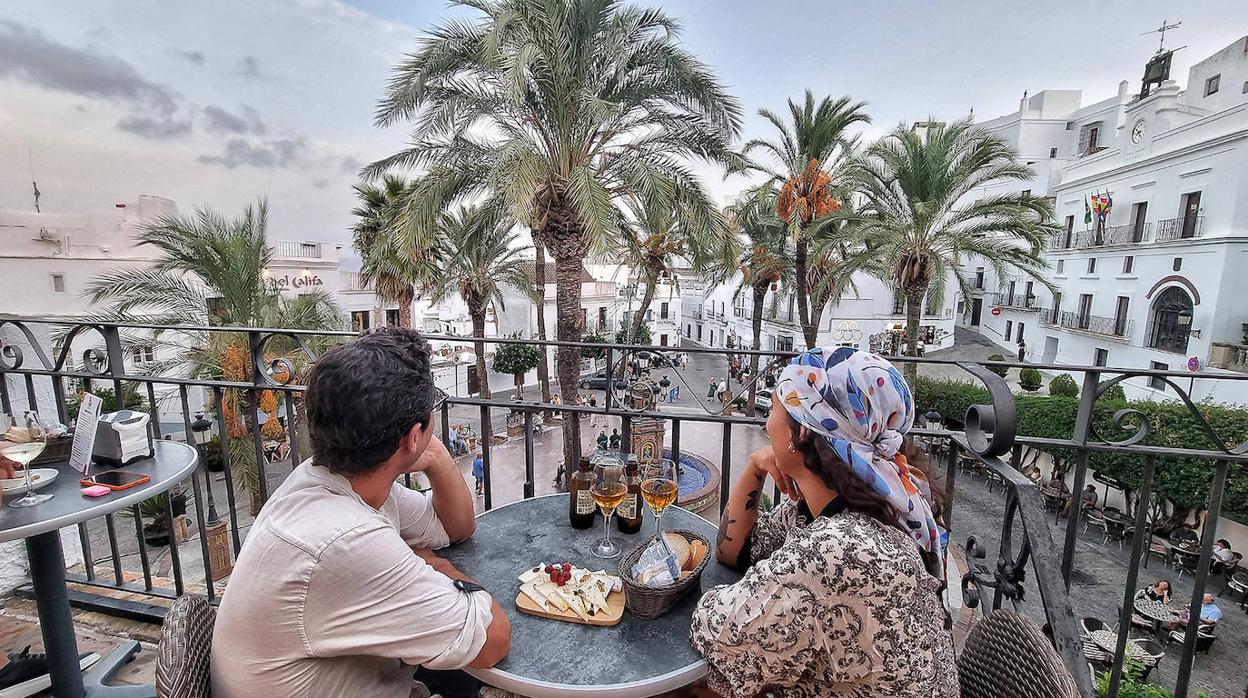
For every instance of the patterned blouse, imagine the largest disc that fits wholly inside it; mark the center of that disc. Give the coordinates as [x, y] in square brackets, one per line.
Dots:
[841, 606]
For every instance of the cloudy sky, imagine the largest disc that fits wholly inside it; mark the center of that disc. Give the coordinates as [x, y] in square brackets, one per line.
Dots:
[218, 103]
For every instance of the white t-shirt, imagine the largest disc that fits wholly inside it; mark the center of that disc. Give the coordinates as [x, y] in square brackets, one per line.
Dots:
[328, 599]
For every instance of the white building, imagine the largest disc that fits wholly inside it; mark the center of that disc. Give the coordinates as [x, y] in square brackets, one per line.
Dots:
[1157, 283]
[872, 317]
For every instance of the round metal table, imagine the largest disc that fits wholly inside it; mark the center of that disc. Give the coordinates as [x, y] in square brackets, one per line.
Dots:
[555, 658]
[40, 526]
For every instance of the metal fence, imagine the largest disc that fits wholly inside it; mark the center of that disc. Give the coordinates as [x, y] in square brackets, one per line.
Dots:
[1028, 554]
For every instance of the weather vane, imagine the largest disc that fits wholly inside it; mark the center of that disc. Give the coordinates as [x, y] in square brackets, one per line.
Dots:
[1161, 45]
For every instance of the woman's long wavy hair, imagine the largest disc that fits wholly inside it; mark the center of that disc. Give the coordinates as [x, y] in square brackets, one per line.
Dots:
[821, 460]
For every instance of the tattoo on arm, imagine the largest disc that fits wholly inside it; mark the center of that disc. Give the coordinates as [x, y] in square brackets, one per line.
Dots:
[724, 524]
[751, 500]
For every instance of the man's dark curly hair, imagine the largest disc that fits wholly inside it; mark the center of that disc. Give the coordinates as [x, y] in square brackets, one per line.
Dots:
[367, 394]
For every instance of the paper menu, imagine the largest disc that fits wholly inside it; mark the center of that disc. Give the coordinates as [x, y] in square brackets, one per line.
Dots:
[84, 433]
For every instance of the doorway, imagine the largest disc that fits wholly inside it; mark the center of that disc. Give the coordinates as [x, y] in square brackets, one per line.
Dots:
[977, 307]
[1050, 351]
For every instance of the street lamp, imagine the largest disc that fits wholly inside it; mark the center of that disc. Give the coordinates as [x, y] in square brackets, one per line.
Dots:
[220, 563]
[200, 427]
[932, 417]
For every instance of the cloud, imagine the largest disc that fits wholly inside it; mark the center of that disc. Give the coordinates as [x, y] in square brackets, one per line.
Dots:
[27, 54]
[350, 166]
[222, 121]
[249, 67]
[238, 152]
[161, 127]
[196, 57]
[322, 183]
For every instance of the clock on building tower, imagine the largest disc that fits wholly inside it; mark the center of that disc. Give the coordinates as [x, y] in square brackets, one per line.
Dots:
[1137, 132]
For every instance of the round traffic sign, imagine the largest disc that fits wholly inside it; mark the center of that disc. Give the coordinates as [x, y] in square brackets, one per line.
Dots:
[996, 311]
[1193, 364]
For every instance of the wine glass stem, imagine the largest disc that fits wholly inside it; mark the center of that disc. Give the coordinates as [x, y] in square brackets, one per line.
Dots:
[606, 529]
[658, 525]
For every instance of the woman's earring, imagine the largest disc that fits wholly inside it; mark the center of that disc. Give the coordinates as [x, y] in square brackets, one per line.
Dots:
[792, 449]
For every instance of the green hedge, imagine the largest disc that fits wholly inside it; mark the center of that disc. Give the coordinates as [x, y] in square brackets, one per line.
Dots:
[1185, 482]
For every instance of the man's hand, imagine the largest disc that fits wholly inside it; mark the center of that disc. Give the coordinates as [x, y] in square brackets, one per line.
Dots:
[435, 456]
[8, 469]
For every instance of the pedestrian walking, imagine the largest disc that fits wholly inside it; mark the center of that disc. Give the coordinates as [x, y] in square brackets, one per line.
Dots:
[723, 389]
[1022, 349]
[478, 472]
[710, 389]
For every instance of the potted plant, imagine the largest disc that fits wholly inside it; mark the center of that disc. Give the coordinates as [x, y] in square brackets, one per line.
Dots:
[1030, 380]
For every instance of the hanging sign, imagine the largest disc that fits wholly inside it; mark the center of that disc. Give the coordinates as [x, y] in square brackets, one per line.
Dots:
[996, 311]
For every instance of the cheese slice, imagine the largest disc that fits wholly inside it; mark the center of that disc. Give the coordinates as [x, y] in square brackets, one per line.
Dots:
[572, 601]
[533, 574]
[538, 598]
[596, 599]
[550, 591]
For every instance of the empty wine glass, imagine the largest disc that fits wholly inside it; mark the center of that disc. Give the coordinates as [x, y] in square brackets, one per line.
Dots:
[25, 452]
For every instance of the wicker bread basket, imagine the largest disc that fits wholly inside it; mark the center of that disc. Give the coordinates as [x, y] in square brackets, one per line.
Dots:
[56, 450]
[649, 602]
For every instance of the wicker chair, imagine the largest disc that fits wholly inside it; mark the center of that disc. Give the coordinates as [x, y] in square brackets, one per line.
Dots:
[185, 643]
[1006, 655]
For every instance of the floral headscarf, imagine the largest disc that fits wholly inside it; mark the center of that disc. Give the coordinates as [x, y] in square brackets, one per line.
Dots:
[862, 406]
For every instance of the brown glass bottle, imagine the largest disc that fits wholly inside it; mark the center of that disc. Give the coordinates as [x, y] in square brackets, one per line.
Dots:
[581, 507]
[628, 513]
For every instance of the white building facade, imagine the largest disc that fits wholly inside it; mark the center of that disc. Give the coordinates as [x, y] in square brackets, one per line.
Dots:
[1155, 278]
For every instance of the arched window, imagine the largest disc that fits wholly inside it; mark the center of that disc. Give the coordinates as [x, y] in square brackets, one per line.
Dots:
[1170, 321]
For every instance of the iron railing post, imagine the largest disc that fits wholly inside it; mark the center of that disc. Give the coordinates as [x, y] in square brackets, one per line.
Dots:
[1083, 426]
[1133, 573]
[1209, 533]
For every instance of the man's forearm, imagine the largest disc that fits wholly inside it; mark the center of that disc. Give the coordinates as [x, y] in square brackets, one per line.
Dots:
[451, 499]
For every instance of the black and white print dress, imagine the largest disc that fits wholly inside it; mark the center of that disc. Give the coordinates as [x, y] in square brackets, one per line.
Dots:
[838, 606]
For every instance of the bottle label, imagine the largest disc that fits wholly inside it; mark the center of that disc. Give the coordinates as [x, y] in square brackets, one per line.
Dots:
[585, 502]
[628, 507]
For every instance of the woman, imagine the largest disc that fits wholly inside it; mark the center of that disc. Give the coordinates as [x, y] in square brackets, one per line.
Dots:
[841, 596]
[1160, 591]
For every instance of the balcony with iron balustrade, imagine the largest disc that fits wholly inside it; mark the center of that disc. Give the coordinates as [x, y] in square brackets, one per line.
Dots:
[1119, 328]
[1171, 229]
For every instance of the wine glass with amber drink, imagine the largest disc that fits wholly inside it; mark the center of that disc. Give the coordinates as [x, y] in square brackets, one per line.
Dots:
[659, 490]
[608, 491]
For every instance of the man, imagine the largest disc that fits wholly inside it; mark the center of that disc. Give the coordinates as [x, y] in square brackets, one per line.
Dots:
[1088, 496]
[602, 441]
[456, 446]
[1210, 614]
[336, 592]
[478, 473]
[615, 440]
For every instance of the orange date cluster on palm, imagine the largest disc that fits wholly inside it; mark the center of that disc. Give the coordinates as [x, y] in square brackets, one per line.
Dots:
[807, 195]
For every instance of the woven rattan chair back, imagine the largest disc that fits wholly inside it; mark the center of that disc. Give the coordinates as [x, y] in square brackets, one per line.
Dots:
[1006, 655]
[185, 643]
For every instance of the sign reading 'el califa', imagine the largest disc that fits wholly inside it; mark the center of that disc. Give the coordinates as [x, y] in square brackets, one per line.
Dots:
[287, 281]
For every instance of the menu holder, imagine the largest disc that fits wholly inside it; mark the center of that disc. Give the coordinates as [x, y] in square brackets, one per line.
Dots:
[84, 433]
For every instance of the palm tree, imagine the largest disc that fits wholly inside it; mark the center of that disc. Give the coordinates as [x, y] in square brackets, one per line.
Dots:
[764, 265]
[539, 295]
[383, 263]
[561, 107]
[212, 271]
[919, 212]
[479, 258]
[807, 162]
[658, 232]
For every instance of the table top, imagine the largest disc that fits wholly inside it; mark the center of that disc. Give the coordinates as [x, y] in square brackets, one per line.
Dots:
[556, 658]
[172, 464]
[1155, 610]
[1108, 641]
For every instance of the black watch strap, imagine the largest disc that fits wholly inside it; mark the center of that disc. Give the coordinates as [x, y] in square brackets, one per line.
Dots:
[467, 586]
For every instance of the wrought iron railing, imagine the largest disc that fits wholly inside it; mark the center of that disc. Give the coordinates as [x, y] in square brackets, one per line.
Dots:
[1096, 324]
[1020, 301]
[1178, 228]
[1033, 554]
[1112, 235]
[297, 250]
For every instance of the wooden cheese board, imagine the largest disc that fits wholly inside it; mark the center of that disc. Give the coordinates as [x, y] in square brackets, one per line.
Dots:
[612, 616]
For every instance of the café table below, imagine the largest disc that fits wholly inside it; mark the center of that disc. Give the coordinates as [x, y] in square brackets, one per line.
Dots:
[556, 658]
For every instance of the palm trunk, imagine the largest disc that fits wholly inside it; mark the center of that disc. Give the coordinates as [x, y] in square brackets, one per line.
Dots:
[405, 306]
[477, 313]
[914, 305]
[760, 293]
[568, 363]
[539, 281]
[801, 252]
[817, 306]
[634, 331]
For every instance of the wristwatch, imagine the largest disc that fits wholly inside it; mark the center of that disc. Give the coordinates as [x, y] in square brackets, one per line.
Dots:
[466, 586]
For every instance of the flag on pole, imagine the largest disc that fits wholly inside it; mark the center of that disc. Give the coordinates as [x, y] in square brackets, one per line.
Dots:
[1108, 204]
[1087, 211]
